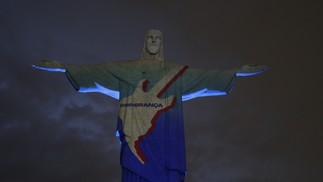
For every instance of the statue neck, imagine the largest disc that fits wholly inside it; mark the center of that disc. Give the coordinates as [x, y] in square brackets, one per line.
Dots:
[151, 57]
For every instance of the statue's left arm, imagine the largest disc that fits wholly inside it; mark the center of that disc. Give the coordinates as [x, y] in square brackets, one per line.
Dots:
[201, 83]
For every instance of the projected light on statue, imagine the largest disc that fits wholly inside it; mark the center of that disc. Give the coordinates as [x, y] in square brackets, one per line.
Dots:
[150, 93]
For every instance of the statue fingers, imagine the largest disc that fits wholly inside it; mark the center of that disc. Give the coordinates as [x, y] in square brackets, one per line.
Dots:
[251, 69]
[49, 65]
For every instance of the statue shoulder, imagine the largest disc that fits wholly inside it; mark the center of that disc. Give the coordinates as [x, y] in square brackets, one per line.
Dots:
[109, 63]
[173, 64]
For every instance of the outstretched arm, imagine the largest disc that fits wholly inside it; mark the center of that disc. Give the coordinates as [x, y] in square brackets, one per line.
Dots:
[201, 83]
[85, 78]
[251, 69]
[50, 65]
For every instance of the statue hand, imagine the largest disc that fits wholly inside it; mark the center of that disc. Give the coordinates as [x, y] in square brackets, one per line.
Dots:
[251, 69]
[49, 65]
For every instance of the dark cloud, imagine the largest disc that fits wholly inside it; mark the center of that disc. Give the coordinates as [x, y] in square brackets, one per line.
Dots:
[267, 129]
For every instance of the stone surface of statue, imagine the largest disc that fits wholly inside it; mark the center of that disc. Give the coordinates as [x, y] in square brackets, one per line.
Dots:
[150, 93]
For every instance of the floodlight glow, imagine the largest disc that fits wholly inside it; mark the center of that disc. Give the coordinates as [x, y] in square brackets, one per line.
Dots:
[103, 90]
[202, 93]
[252, 73]
[112, 93]
[50, 69]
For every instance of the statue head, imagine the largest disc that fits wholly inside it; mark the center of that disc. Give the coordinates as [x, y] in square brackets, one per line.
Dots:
[153, 45]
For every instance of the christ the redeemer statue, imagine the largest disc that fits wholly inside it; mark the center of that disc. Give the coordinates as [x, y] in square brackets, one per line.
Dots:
[150, 93]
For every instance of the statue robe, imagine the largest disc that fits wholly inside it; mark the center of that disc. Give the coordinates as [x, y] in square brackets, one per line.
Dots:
[150, 122]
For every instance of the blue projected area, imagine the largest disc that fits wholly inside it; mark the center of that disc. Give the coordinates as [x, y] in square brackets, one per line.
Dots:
[116, 94]
[103, 90]
[202, 93]
[50, 69]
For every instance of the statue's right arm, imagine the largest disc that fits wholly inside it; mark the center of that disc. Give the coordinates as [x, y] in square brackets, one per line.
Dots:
[85, 78]
[49, 65]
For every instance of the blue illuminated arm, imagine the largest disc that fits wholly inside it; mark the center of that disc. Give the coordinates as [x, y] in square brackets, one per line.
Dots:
[202, 83]
[85, 78]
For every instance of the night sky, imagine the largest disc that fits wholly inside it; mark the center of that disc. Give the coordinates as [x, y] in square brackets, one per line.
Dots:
[268, 129]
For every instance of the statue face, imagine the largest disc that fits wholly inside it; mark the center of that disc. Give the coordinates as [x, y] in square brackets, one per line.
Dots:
[153, 41]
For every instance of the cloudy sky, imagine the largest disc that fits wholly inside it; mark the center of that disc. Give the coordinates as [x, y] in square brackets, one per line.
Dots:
[268, 129]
